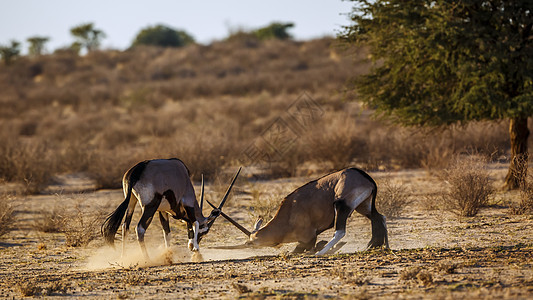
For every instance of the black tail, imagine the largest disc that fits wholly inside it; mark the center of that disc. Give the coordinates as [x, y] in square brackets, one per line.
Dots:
[112, 223]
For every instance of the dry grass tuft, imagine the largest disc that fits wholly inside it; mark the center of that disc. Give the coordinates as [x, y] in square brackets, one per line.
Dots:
[133, 279]
[28, 289]
[79, 224]
[424, 277]
[50, 221]
[7, 214]
[417, 273]
[32, 289]
[469, 186]
[526, 196]
[81, 227]
[350, 277]
[241, 288]
[409, 273]
[392, 198]
[447, 267]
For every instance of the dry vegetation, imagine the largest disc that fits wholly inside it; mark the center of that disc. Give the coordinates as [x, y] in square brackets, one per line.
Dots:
[100, 113]
[96, 115]
[7, 215]
[469, 186]
[392, 198]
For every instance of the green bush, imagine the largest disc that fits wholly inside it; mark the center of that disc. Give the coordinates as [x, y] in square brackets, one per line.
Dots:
[275, 30]
[162, 36]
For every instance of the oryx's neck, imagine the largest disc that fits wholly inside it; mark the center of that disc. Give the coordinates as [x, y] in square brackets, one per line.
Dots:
[274, 231]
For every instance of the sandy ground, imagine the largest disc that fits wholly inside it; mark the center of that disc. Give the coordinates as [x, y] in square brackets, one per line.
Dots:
[434, 254]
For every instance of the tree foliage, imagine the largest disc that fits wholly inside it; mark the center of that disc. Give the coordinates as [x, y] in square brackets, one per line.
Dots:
[37, 43]
[275, 30]
[87, 36]
[440, 62]
[10, 52]
[162, 36]
[443, 62]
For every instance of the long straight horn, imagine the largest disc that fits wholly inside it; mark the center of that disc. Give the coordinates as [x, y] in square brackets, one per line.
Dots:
[229, 189]
[239, 226]
[202, 195]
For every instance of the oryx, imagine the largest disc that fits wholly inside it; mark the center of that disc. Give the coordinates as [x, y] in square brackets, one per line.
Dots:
[317, 206]
[161, 185]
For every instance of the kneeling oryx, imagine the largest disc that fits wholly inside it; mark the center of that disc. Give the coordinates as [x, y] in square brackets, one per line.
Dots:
[164, 186]
[317, 206]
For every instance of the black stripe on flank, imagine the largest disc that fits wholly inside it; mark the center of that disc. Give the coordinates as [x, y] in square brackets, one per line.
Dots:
[176, 206]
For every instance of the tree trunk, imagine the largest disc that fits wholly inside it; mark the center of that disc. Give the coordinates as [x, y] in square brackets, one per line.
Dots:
[519, 133]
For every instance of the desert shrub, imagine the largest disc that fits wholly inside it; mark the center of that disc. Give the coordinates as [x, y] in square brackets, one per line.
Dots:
[275, 30]
[417, 273]
[162, 36]
[526, 196]
[424, 277]
[26, 161]
[81, 227]
[469, 186]
[10, 53]
[79, 224]
[30, 288]
[447, 267]
[409, 273]
[7, 214]
[50, 221]
[392, 198]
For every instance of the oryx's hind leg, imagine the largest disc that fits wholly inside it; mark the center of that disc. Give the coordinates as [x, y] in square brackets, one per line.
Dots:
[379, 225]
[379, 230]
[126, 225]
[342, 212]
[163, 217]
[146, 218]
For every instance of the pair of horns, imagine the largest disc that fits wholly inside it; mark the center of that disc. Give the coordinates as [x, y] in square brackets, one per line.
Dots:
[222, 202]
[239, 226]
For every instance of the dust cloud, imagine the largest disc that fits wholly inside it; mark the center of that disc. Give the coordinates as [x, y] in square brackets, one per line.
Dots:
[107, 257]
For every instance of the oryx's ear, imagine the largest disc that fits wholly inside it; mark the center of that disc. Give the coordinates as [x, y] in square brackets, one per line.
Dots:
[258, 224]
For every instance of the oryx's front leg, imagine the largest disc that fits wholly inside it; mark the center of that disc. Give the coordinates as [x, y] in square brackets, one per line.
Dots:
[192, 231]
[193, 228]
[342, 212]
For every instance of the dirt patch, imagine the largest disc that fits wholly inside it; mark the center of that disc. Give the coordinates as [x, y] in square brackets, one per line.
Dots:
[434, 255]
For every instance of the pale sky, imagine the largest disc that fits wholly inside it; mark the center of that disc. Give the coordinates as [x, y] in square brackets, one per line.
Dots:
[206, 21]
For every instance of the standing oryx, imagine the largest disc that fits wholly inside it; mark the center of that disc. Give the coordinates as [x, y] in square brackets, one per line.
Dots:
[317, 206]
[161, 185]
